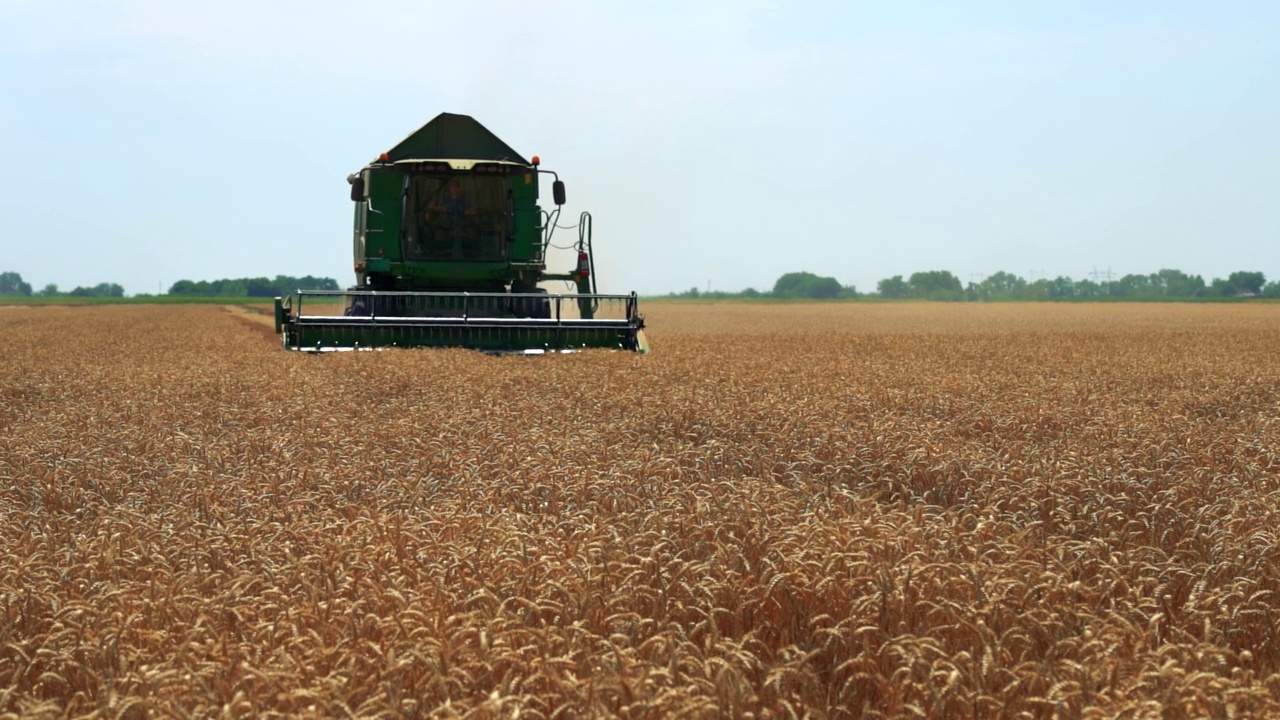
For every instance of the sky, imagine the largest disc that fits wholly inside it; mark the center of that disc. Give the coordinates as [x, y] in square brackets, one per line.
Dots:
[717, 144]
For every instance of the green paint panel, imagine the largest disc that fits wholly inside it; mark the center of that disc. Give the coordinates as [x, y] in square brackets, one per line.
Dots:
[384, 218]
[528, 218]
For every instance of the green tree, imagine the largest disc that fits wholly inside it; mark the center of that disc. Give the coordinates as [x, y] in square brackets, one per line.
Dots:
[1238, 283]
[936, 285]
[1062, 287]
[50, 290]
[99, 290]
[824, 288]
[1134, 286]
[307, 282]
[251, 287]
[1001, 286]
[262, 287]
[1247, 283]
[1038, 290]
[1175, 283]
[893, 288]
[1087, 289]
[807, 285]
[11, 283]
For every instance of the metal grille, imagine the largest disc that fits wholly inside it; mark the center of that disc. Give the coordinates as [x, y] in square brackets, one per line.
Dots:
[495, 322]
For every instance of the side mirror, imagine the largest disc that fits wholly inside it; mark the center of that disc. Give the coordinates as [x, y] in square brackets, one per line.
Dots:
[357, 188]
[557, 191]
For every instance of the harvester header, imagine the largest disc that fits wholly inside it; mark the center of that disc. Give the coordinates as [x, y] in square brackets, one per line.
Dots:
[450, 250]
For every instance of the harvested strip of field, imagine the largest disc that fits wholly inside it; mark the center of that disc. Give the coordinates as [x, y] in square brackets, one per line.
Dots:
[840, 510]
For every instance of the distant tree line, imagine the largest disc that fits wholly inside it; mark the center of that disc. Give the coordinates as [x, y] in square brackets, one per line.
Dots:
[942, 285]
[791, 286]
[939, 285]
[11, 283]
[251, 287]
[1004, 286]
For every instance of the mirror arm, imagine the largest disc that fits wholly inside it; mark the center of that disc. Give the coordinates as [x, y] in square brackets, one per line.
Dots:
[557, 186]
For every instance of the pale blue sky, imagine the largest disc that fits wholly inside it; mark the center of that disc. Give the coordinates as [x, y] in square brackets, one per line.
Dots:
[147, 141]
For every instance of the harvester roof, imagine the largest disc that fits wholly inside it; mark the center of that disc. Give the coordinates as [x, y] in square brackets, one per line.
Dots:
[453, 137]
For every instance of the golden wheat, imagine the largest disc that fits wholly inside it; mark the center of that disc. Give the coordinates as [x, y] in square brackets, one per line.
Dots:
[899, 510]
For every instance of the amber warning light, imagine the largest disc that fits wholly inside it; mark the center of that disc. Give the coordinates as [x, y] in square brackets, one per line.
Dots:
[537, 160]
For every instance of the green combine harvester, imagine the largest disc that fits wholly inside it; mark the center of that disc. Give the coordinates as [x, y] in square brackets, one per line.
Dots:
[450, 249]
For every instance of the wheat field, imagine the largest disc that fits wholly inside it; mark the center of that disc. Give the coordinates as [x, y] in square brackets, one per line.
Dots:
[828, 511]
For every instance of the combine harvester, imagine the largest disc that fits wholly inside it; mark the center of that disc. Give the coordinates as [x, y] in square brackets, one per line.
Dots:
[450, 248]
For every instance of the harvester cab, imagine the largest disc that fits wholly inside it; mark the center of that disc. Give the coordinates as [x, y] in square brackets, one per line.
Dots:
[450, 249]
